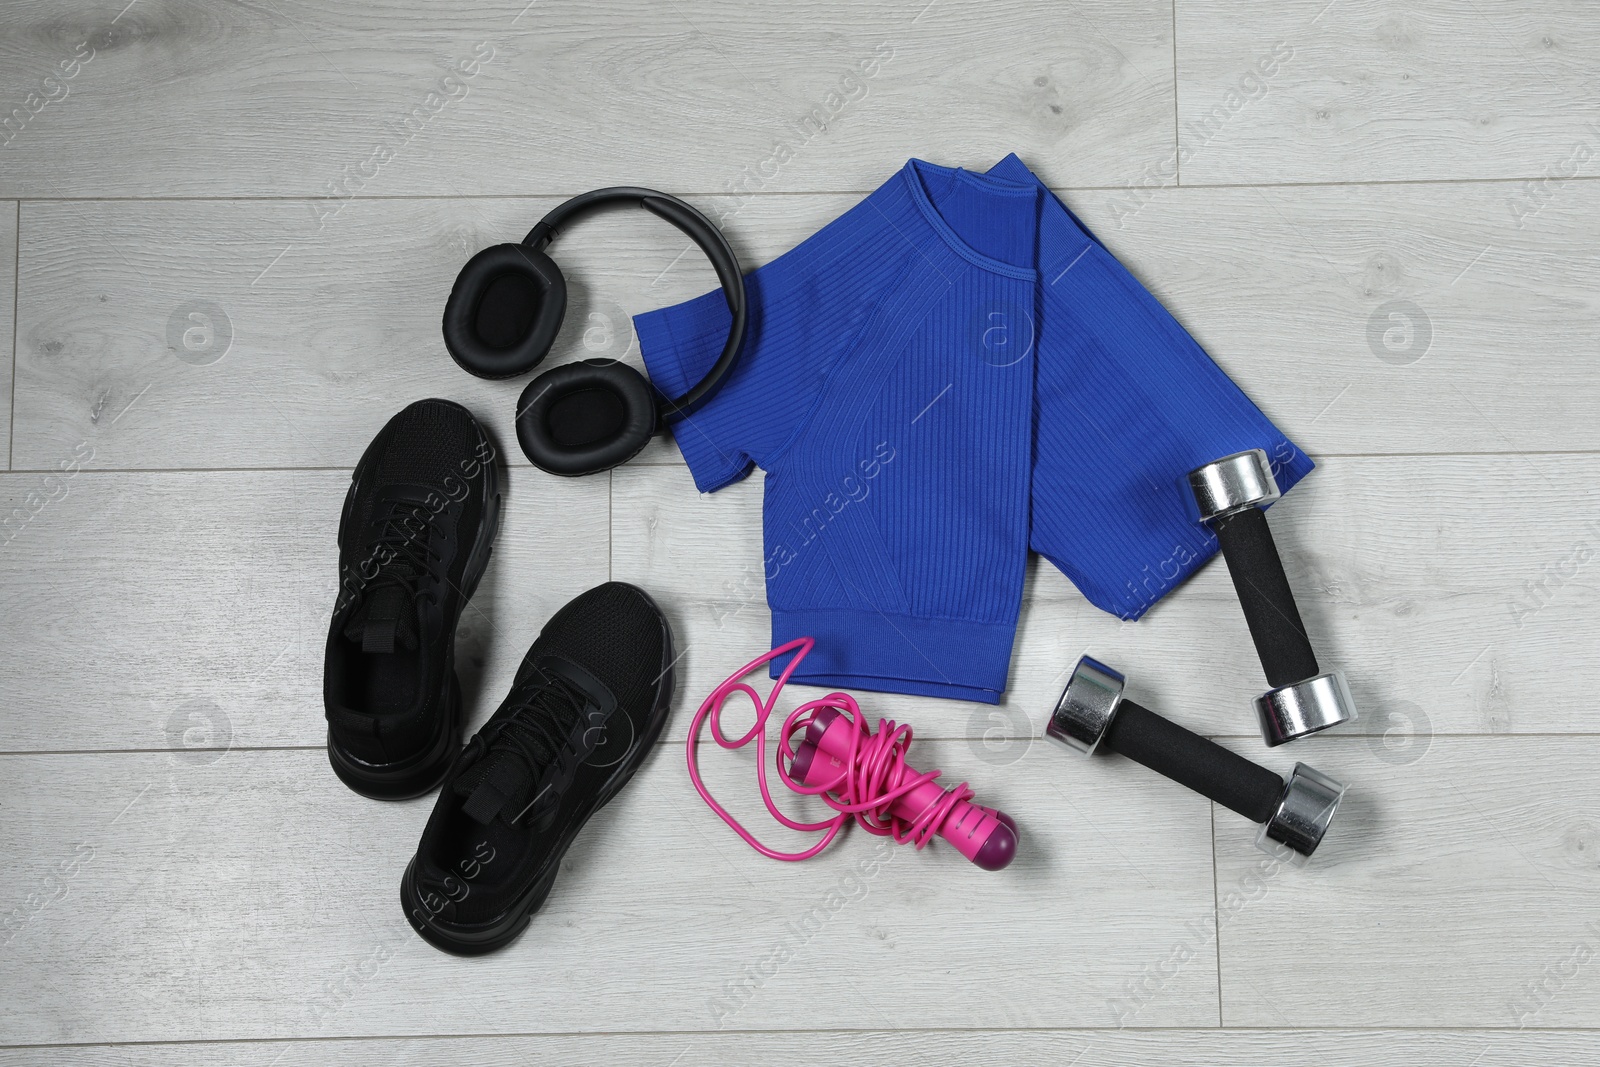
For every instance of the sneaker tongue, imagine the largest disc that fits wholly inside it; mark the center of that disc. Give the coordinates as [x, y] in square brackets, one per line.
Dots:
[385, 618]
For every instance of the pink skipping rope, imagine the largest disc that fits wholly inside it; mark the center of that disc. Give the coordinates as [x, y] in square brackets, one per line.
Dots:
[873, 783]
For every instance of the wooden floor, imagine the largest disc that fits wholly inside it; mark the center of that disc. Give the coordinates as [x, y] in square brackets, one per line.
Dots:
[1381, 218]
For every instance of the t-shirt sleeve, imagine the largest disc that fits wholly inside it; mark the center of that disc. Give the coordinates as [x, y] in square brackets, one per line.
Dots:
[804, 307]
[1126, 404]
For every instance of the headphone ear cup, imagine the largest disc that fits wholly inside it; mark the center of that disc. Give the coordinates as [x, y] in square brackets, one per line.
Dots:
[504, 311]
[585, 417]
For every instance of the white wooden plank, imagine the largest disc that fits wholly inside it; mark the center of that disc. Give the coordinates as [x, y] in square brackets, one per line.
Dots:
[316, 338]
[878, 1048]
[1362, 90]
[260, 894]
[8, 320]
[1390, 318]
[292, 98]
[1421, 577]
[173, 610]
[1456, 890]
[1292, 293]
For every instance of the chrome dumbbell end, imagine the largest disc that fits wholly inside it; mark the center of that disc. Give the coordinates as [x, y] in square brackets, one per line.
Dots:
[1308, 707]
[1303, 816]
[1230, 484]
[1087, 705]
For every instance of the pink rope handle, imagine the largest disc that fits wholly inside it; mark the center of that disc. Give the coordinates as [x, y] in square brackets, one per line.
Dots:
[874, 777]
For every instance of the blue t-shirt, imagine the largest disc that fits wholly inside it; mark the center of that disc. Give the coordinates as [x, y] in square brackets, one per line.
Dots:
[949, 374]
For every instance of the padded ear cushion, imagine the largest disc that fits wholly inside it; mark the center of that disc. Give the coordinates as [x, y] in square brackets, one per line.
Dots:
[504, 311]
[585, 417]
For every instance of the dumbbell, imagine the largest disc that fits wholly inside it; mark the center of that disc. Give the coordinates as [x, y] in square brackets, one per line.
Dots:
[1294, 815]
[1229, 495]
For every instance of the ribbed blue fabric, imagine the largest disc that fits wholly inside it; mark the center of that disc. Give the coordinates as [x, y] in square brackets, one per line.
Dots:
[952, 372]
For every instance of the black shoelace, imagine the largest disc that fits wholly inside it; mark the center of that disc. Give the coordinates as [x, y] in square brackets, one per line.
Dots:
[544, 711]
[401, 552]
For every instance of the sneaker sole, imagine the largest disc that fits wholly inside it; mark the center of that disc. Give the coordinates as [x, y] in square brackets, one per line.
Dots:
[421, 774]
[476, 939]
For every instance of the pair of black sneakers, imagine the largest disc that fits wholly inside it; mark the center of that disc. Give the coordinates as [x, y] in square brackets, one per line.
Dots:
[589, 699]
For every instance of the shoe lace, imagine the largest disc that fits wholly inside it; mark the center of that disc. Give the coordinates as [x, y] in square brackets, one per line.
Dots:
[543, 710]
[402, 549]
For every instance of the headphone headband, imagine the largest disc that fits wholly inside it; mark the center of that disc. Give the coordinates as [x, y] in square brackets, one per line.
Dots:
[703, 232]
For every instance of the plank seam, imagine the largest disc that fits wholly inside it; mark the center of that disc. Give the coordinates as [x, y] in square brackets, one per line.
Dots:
[16, 318]
[678, 464]
[1216, 908]
[1498, 738]
[518, 1034]
[1177, 131]
[754, 194]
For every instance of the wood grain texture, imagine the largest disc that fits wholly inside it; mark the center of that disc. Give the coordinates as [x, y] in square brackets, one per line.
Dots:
[181, 98]
[164, 897]
[178, 610]
[1373, 320]
[140, 598]
[1389, 318]
[1420, 577]
[8, 319]
[1100, 1048]
[1374, 91]
[332, 331]
[1455, 888]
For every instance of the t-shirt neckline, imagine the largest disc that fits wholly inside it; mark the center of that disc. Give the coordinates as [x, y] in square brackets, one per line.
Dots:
[913, 171]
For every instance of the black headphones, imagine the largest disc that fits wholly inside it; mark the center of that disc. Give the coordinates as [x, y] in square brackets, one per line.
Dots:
[505, 311]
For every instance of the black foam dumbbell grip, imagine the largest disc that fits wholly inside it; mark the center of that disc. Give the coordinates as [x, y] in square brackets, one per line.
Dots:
[1264, 593]
[1193, 761]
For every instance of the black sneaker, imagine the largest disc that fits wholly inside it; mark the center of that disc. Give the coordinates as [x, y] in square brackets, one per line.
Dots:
[418, 524]
[589, 701]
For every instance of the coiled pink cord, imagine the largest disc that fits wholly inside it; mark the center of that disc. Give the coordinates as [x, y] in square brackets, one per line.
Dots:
[875, 775]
